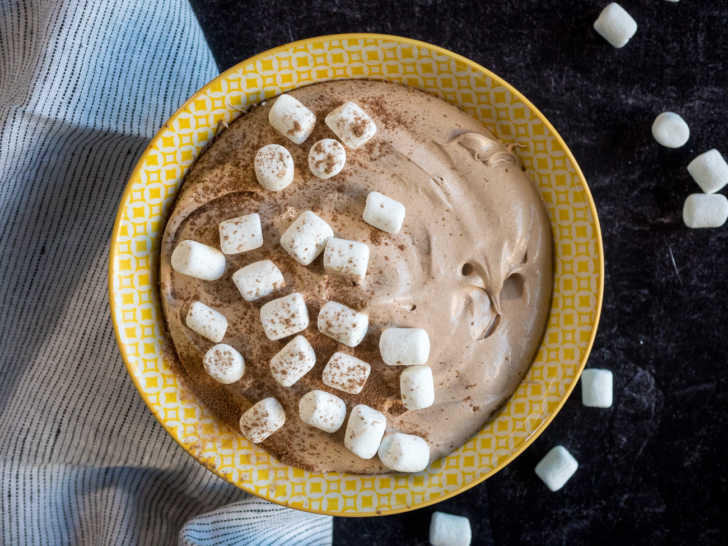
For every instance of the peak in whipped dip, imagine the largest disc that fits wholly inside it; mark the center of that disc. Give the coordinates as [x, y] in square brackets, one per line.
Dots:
[471, 265]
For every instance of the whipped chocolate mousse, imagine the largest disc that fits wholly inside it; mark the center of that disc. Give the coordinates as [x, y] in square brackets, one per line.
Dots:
[470, 264]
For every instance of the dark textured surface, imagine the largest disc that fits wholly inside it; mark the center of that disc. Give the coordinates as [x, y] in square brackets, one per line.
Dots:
[653, 467]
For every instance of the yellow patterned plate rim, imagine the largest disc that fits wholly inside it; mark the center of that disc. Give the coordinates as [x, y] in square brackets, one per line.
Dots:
[391, 504]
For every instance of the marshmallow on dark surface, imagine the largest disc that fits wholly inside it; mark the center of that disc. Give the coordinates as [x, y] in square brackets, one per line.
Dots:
[206, 321]
[293, 361]
[364, 431]
[557, 466]
[284, 316]
[383, 212]
[224, 363]
[351, 124]
[322, 410]
[198, 260]
[449, 530]
[404, 452]
[710, 171]
[705, 210]
[241, 234]
[291, 118]
[326, 158]
[615, 25]
[346, 373]
[342, 323]
[262, 420]
[670, 130]
[306, 237]
[404, 346]
[596, 388]
[417, 387]
[347, 258]
[257, 280]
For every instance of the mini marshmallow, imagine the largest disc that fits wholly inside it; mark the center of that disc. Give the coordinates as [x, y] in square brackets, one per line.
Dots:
[326, 158]
[241, 234]
[347, 258]
[291, 118]
[364, 431]
[206, 321]
[556, 468]
[224, 363]
[199, 261]
[262, 420]
[404, 452]
[342, 323]
[417, 387]
[404, 346]
[615, 25]
[322, 410]
[346, 373]
[705, 210]
[383, 212]
[273, 167]
[449, 530]
[709, 170]
[596, 388]
[351, 124]
[306, 237]
[670, 130]
[259, 279]
[293, 361]
[284, 316]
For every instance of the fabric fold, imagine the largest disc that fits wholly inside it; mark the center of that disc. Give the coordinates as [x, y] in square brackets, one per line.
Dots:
[84, 85]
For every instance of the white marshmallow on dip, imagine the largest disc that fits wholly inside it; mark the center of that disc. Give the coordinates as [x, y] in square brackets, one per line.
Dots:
[293, 361]
[291, 118]
[326, 158]
[417, 387]
[346, 258]
[342, 323]
[284, 316]
[383, 212]
[274, 167]
[404, 346]
[206, 321]
[257, 280]
[224, 363]
[305, 239]
[346, 373]
[404, 452]
[351, 124]
[322, 410]
[364, 431]
[262, 420]
[241, 234]
[198, 260]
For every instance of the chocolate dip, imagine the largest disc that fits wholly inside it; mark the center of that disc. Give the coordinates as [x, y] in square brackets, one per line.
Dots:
[471, 265]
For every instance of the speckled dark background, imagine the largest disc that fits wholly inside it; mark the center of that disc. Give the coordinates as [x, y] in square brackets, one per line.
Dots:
[652, 468]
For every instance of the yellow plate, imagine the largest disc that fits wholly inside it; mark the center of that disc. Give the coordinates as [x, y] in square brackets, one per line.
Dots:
[577, 293]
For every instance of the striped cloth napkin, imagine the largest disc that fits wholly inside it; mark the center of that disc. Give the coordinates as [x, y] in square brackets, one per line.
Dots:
[84, 85]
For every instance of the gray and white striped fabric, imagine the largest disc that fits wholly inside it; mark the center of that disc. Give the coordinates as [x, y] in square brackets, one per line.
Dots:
[84, 84]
